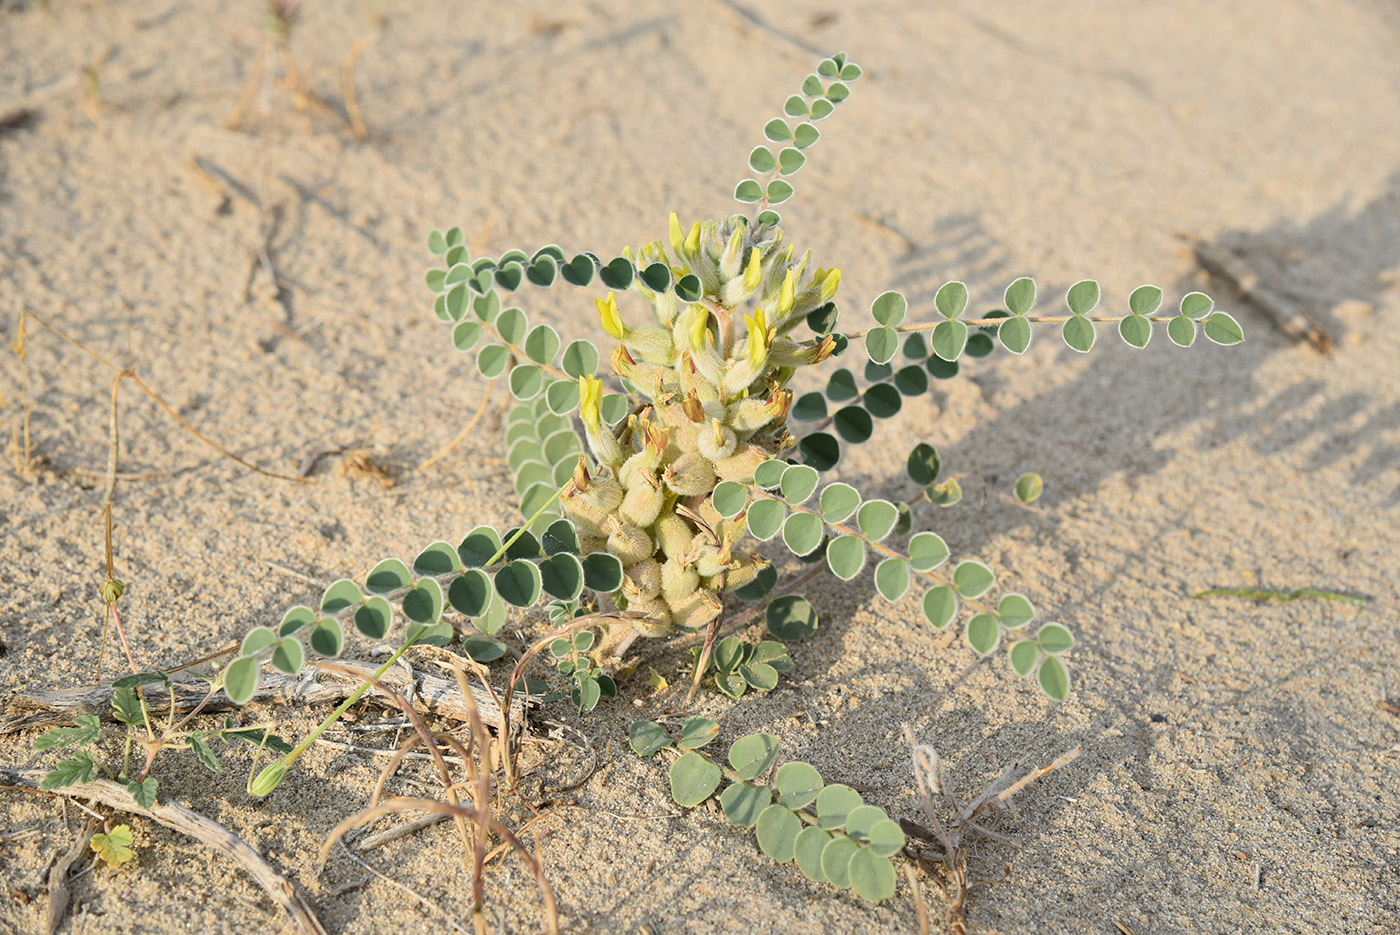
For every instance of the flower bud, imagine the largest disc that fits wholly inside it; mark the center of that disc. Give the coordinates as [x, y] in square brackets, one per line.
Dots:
[731, 261]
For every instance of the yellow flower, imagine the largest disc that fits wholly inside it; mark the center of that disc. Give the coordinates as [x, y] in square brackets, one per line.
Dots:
[612, 321]
[677, 238]
[758, 337]
[829, 284]
[785, 298]
[753, 274]
[590, 394]
[699, 328]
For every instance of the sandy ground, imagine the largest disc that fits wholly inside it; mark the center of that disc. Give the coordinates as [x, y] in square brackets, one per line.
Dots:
[986, 141]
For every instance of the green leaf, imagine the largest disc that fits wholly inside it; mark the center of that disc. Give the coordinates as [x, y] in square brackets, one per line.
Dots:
[518, 583]
[693, 780]
[834, 804]
[602, 572]
[760, 676]
[656, 277]
[579, 271]
[561, 576]
[777, 130]
[1029, 488]
[542, 270]
[779, 191]
[802, 533]
[288, 656]
[560, 536]
[143, 792]
[374, 618]
[81, 768]
[769, 474]
[1015, 335]
[853, 424]
[872, 876]
[526, 381]
[889, 309]
[838, 502]
[758, 588]
[820, 450]
[892, 579]
[791, 617]
[752, 755]
[647, 737]
[1135, 331]
[911, 380]
[791, 161]
[743, 803]
[804, 135]
[927, 551]
[881, 344]
[1015, 611]
[846, 556]
[204, 753]
[842, 386]
[483, 650]
[836, 861]
[88, 730]
[696, 732]
[809, 407]
[765, 518]
[340, 596]
[478, 546]
[798, 483]
[1078, 333]
[465, 335]
[731, 683]
[951, 301]
[440, 558]
[115, 848]
[882, 400]
[1223, 329]
[940, 606]
[541, 344]
[580, 359]
[729, 652]
[923, 464]
[983, 633]
[388, 576]
[730, 498]
[1055, 639]
[1020, 296]
[511, 325]
[885, 838]
[1024, 655]
[795, 106]
[1145, 300]
[328, 639]
[241, 679]
[949, 339]
[1053, 678]
[437, 243]
[424, 603]
[761, 158]
[126, 707]
[562, 396]
[509, 276]
[798, 784]
[972, 578]
[876, 519]
[1182, 331]
[777, 829]
[1082, 297]
[257, 640]
[1196, 305]
[748, 191]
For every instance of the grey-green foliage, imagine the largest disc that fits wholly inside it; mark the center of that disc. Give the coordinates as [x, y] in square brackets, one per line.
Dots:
[828, 830]
[740, 665]
[476, 581]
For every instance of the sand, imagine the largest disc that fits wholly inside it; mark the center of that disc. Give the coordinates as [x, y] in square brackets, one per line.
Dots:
[1240, 766]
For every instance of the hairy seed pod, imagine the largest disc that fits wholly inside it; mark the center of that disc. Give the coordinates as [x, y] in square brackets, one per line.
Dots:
[642, 504]
[741, 465]
[658, 621]
[744, 571]
[711, 561]
[678, 579]
[698, 609]
[674, 535]
[690, 475]
[585, 519]
[627, 542]
[642, 582]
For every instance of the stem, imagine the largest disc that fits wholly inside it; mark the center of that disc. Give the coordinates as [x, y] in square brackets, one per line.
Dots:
[271, 776]
[988, 322]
